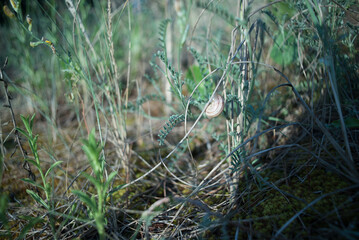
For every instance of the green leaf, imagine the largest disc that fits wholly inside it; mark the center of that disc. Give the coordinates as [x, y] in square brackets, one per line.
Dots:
[94, 181]
[283, 11]
[28, 180]
[184, 35]
[92, 150]
[52, 167]
[90, 202]
[34, 163]
[115, 189]
[4, 202]
[25, 120]
[349, 123]
[275, 119]
[33, 148]
[284, 51]
[34, 140]
[194, 76]
[37, 198]
[92, 157]
[32, 121]
[109, 180]
[312, 13]
[194, 73]
[23, 133]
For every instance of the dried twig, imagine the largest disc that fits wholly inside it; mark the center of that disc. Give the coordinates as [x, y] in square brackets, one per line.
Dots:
[26, 164]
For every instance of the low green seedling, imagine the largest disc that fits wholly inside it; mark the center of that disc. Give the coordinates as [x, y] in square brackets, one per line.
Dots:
[96, 204]
[45, 184]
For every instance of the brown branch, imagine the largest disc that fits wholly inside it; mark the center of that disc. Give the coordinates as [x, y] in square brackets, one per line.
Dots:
[26, 164]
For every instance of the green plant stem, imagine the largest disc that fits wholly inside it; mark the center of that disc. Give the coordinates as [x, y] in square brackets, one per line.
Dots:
[100, 216]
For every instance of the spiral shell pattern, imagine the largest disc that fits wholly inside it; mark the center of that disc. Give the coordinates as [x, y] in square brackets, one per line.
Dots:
[215, 107]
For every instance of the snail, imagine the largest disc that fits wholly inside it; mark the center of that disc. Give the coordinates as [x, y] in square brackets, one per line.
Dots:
[215, 107]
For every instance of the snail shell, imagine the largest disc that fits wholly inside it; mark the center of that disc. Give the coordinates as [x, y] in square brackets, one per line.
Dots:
[215, 107]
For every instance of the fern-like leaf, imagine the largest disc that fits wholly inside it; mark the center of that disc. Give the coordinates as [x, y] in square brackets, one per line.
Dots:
[173, 121]
[218, 10]
[162, 35]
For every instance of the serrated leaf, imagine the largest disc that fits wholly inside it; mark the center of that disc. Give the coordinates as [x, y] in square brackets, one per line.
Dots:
[37, 198]
[52, 167]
